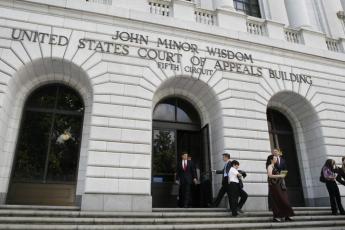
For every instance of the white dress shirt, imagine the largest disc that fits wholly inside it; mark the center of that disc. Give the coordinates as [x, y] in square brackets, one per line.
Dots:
[184, 163]
[233, 175]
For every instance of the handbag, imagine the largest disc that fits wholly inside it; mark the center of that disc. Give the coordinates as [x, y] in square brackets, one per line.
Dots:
[322, 177]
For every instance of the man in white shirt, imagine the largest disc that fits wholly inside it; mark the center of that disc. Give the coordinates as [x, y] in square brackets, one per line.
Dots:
[234, 176]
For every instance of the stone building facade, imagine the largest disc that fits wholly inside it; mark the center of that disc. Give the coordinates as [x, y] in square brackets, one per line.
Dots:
[273, 79]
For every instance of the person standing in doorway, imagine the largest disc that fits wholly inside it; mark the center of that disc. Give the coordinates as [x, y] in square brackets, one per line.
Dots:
[328, 173]
[281, 164]
[225, 175]
[186, 176]
[278, 193]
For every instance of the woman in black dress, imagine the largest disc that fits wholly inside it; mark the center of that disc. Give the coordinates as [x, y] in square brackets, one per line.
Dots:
[280, 203]
[328, 172]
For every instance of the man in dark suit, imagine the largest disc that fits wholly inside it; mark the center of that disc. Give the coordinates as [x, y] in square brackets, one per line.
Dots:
[281, 164]
[186, 176]
[225, 177]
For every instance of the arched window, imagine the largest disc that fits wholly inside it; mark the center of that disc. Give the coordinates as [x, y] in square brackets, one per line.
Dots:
[50, 135]
[176, 110]
[249, 7]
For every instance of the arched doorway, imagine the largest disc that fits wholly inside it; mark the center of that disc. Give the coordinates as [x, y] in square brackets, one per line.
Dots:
[47, 152]
[282, 137]
[177, 128]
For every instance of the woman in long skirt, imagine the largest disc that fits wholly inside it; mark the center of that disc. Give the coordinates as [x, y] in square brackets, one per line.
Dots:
[280, 203]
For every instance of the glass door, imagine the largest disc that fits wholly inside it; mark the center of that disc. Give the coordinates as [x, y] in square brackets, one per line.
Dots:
[164, 191]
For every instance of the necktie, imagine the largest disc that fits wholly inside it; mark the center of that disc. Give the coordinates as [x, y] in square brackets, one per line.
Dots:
[184, 165]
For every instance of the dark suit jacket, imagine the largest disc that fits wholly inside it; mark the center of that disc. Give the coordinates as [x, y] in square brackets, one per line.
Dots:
[186, 177]
[282, 165]
[227, 168]
[341, 176]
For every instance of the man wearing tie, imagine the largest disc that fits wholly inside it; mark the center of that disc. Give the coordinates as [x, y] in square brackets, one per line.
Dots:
[280, 165]
[186, 175]
[225, 176]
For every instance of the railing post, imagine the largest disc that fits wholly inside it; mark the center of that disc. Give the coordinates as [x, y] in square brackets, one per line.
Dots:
[231, 20]
[313, 39]
[275, 29]
[342, 44]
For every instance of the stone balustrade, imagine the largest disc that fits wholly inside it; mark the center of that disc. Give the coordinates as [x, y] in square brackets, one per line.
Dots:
[205, 17]
[292, 35]
[160, 7]
[256, 27]
[333, 45]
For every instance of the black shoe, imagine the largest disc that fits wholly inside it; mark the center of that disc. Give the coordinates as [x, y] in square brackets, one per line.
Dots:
[288, 219]
[240, 211]
[342, 213]
[235, 215]
[334, 213]
[276, 220]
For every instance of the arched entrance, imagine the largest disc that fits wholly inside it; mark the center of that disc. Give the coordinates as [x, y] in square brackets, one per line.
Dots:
[177, 128]
[282, 137]
[48, 145]
[308, 142]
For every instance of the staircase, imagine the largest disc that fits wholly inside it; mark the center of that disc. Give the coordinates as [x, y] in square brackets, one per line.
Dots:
[47, 217]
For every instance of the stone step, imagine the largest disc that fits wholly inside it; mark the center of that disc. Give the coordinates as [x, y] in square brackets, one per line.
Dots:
[77, 208]
[189, 209]
[312, 208]
[39, 207]
[284, 225]
[153, 221]
[224, 209]
[63, 213]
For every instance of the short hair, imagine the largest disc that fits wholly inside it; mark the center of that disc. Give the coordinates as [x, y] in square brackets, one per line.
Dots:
[235, 162]
[227, 155]
[183, 153]
[343, 158]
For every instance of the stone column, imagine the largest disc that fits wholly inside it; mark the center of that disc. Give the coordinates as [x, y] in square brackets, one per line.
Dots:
[333, 23]
[343, 4]
[278, 12]
[298, 13]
